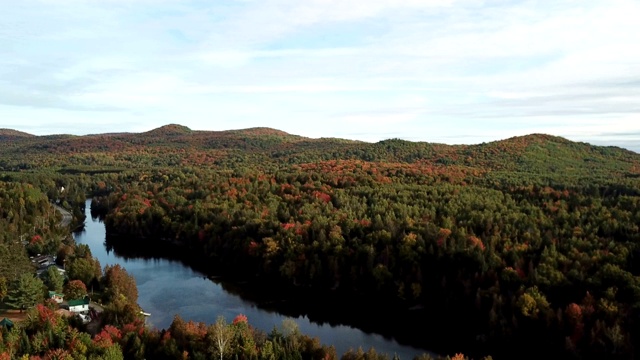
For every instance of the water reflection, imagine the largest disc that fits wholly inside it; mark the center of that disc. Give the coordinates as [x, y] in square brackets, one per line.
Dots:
[168, 287]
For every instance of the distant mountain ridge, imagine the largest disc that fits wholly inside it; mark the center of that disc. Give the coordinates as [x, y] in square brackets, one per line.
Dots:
[535, 153]
[169, 130]
[13, 134]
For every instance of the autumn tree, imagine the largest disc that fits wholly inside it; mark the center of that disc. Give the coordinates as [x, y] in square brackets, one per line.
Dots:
[75, 289]
[85, 269]
[120, 311]
[244, 338]
[118, 282]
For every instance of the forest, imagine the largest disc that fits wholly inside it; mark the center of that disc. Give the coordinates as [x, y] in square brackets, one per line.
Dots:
[530, 241]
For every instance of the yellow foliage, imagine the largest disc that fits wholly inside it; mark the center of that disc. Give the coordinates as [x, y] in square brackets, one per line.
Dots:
[410, 239]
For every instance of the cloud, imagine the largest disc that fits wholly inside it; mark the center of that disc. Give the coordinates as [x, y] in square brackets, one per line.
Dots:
[441, 69]
[238, 58]
[272, 19]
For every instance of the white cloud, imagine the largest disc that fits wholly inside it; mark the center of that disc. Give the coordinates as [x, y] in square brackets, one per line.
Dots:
[420, 68]
[314, 11]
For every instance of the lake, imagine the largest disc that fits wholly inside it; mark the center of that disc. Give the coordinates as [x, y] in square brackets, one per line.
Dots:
[169, 287]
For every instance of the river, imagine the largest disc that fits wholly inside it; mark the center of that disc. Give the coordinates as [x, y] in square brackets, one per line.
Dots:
[169, 287]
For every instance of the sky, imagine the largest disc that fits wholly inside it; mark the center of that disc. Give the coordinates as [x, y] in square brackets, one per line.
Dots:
[446, 71]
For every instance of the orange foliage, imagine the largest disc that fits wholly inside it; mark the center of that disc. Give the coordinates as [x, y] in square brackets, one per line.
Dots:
[56, 354]
[166, 337]
[135, 327]
[46, 315]
[476, 242]
[35, 239]
[288, 226]
[241, 318]
[574, 313]
[443, 234]
[107, 337]
[322, 196]
[196, 330]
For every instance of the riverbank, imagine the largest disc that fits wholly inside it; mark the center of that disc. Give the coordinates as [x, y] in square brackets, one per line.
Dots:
[434, 328]
[171, 282]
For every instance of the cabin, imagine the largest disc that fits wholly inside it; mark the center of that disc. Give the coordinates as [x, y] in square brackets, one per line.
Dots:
[66, 313]
[43, 261]
[80, 305]
[59, 298]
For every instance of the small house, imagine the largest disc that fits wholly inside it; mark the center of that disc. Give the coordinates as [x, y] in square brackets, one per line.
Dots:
[59, 298]
[43, 261]
[78, 306]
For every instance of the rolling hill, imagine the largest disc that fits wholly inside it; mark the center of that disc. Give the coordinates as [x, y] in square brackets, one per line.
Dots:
[528, 240]
[176, 145]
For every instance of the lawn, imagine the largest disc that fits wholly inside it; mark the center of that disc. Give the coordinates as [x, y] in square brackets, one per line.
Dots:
[13, 315]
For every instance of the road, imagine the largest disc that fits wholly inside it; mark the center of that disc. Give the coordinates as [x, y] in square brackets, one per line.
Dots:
[66, 216]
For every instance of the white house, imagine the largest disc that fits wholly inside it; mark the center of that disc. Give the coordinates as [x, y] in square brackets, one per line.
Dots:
[78, 306]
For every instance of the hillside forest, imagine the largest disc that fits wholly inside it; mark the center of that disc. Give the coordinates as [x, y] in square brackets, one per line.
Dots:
[530, 241]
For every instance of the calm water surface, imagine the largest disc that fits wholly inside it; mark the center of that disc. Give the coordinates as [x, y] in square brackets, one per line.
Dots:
[168, 287]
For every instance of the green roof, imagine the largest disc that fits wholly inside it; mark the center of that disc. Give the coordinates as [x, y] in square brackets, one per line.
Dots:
[6, 323]
[79, 302]
[53, 293]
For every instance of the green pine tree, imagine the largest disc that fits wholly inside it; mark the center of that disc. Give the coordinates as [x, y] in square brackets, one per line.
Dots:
[25, 292]
[53, 279]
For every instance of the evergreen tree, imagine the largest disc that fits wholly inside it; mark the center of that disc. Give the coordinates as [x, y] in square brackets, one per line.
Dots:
[25, 292]
[3, 288]
[53, 279]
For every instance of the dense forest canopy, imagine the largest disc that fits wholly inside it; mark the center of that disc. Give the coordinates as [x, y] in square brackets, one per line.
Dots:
[532, 240]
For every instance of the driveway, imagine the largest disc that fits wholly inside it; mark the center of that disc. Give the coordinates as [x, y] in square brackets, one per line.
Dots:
[66, 216]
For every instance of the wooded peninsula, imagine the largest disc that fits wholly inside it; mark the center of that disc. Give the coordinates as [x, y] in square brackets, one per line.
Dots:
[527, 247]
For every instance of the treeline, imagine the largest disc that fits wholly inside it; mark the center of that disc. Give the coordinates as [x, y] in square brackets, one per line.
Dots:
[553, 269]
[530, 241]
[27, 227]
[48, 333]
[269, 149]
[31, 226]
